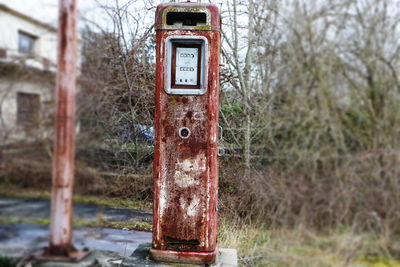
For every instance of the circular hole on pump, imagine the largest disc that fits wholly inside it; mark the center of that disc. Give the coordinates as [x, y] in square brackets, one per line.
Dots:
[184, 133]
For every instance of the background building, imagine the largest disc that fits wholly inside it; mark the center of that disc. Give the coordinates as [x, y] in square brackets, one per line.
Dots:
[28, 53]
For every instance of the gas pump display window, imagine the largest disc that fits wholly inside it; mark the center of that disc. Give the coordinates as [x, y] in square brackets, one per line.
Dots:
[186, 66]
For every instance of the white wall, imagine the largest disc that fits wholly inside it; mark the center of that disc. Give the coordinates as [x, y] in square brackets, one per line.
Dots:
[45, 45]
[10, 86]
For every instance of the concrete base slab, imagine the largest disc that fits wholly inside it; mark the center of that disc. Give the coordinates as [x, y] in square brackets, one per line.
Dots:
[183, 256]
[73, 255]
[227, 257]
[141, 257]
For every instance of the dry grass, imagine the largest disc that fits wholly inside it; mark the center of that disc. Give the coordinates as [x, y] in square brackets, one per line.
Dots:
[360, 191]
[32, 171]
[258, 246]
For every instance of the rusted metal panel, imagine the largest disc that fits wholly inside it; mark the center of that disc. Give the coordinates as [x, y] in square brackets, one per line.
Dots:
[214, 22]
[186, 169]
[184, 257]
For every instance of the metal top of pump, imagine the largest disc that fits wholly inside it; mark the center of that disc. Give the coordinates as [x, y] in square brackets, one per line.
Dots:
[187, 16]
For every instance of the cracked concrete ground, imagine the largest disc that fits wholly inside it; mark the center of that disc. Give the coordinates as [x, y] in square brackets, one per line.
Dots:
[19, 240]
[109, 247]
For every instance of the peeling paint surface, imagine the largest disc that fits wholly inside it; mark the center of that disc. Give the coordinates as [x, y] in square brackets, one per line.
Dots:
[186, 169]
[191, 208]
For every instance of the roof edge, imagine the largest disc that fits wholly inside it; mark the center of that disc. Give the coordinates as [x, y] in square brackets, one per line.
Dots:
[27, 18]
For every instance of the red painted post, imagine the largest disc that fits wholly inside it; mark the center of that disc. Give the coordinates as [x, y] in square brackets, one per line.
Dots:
[186, 125]
[61, 248]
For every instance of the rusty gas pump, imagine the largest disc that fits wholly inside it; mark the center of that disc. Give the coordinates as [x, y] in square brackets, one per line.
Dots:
[186, 125]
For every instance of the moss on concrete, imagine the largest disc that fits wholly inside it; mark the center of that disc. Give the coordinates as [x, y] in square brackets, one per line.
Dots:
[10, 191]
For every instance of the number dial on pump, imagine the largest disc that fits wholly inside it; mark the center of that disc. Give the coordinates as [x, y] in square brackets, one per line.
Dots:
[186, 66]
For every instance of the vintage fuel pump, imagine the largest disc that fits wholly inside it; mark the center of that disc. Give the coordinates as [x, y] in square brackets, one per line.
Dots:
[186, 118]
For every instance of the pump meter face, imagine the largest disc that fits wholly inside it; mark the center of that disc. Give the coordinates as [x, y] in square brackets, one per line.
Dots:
[186, 65]
[187, 71]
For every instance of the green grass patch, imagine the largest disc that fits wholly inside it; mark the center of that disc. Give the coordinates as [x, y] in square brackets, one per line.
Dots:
[98, 222]
[131, 225]
[6, 262]
[122, 203]
[9, 191]
[372, 260]
[16, 220]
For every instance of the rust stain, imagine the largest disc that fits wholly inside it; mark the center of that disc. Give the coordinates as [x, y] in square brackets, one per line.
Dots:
[183, 257]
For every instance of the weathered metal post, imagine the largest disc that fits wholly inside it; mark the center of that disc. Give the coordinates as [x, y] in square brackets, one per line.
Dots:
[64, 143]
[186, 124]
[61, 247]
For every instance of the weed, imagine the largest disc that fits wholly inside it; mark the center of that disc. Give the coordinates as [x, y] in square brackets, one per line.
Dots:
[258, 246]
[6, 262]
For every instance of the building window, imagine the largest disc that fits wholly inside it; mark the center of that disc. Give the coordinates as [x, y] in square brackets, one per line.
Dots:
[26, 43]
[28, 107]
[3, 53]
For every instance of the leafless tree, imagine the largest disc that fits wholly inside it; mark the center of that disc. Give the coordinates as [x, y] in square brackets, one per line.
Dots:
[117, 99]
